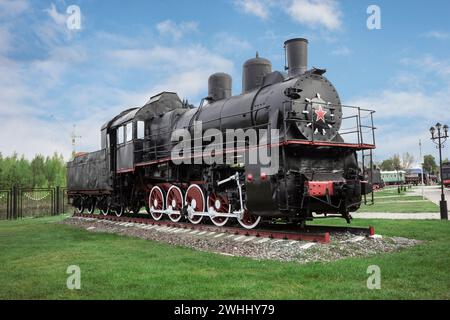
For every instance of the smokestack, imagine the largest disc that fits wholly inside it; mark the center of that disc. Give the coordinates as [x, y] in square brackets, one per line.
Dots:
[219, 86]
[297, 56]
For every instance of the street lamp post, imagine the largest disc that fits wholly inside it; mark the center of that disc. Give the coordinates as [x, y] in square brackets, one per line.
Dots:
[441, 138]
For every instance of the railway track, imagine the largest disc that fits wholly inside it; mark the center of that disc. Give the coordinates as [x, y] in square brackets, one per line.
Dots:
[311, 233]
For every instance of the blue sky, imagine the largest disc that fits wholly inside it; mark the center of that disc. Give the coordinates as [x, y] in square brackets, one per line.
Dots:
[52, 77]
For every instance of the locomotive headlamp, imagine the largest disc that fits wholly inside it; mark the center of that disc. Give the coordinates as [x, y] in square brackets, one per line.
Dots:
[432, 130]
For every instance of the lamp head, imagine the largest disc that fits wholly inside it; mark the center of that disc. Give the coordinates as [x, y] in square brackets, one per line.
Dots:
[438, 126]
[432, 130]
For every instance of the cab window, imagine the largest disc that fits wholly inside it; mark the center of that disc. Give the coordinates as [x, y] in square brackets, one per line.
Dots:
[120, 135]
[129, 128]
[140, 130]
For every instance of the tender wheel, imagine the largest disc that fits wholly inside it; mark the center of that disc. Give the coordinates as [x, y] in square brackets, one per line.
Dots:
[90, 206]
[119, 211]
[219, 202]
[156, 202]
[195, 199]
[174, 201]
[105, 208]
[249, 221]
[79, 205]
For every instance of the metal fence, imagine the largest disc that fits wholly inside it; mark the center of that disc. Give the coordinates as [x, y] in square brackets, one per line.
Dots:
[37, 202]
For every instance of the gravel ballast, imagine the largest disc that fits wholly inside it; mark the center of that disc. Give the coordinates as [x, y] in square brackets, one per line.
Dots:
[341, 246]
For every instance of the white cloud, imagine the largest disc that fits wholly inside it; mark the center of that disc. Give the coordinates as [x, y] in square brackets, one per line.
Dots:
[341, 51]
[413, 102]
[186, 69]
[82, 82]
[259, 8]
[58, 18]
[316, 13]
[228, 43]
[5, 40]
[435, 34]
[429, 63]
[11, 8]
[405, 117]
[175, 30]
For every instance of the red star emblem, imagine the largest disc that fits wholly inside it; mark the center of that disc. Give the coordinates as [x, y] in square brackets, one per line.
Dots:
[320, 114]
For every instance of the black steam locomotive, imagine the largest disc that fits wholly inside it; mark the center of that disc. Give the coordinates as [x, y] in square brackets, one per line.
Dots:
[299, 114]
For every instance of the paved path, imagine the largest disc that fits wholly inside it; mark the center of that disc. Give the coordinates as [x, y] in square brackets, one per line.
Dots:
[400, 216]
[432, 193]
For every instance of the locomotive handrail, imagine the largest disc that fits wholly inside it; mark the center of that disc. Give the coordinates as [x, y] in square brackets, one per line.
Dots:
[358, 115]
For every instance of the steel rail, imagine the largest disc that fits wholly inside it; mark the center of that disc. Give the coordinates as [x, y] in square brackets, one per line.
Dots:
[311, 233]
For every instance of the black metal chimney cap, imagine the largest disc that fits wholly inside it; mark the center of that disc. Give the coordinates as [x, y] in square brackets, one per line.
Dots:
[295, 39]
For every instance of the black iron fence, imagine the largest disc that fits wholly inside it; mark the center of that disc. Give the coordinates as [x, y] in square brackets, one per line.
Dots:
[37, 202]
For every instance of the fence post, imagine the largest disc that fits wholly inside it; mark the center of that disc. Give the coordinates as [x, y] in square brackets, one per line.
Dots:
[14, 202]
[57, 197]
[8, 205]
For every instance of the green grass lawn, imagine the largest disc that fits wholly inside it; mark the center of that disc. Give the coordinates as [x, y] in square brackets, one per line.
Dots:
[401, 207]
[389, 200]
[35, 253]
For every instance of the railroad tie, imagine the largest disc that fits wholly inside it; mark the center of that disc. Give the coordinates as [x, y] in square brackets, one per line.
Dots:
[354, 239]
[249, 239]
[239, 238]
[308, 245]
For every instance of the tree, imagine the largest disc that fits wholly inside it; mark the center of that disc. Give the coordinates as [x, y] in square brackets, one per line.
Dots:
[429, 164]
[396, 163]
[40, 172]
[407, 160]
[387, 165]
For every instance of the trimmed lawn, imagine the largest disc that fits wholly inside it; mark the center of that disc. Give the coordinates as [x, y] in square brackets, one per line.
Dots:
[389, 200]
[35, 253]
[400, 207]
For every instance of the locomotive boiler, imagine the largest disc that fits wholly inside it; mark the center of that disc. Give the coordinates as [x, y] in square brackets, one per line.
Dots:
[294, 117]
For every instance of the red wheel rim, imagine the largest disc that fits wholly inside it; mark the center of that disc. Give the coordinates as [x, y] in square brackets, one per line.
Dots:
[249, 221]
[215, 199]
[195, 199]
[175, 201]
[156, 202]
